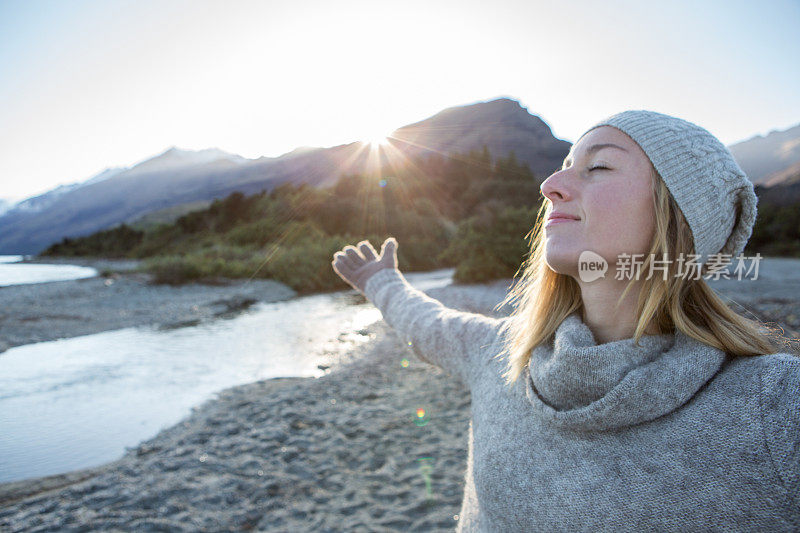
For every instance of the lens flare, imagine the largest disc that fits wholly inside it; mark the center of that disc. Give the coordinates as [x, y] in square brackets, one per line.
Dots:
[426, 468]
[378, 140]
[422, 418]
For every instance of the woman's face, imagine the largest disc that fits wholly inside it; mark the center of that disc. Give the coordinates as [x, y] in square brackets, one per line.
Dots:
[609, 189]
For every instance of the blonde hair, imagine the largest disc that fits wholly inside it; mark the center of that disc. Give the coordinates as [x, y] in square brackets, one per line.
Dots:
[543, 298]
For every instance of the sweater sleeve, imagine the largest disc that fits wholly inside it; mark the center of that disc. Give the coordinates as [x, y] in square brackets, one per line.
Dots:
[780, 408]
[455, 341]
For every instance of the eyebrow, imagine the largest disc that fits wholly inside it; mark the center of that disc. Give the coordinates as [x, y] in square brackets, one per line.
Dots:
[594, 148]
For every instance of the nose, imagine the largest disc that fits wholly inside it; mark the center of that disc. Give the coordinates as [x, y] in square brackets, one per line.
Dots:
[555, 188]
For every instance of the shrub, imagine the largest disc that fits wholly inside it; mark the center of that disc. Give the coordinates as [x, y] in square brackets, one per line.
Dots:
[306, 266]
[491, 245]
[172, 270]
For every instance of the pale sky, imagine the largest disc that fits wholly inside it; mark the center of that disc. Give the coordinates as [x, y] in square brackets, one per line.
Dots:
[91, 84]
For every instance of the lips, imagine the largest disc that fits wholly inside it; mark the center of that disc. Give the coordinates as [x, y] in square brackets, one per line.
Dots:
[560, 218]
[555, 215]
[554, 221]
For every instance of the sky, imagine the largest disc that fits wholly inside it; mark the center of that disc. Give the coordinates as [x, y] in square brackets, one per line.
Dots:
[90, 84]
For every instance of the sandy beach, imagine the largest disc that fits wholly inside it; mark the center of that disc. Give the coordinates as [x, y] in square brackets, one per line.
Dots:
[338, 453]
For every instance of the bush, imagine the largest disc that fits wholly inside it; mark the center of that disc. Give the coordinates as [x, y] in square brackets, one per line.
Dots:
[306, 266]
[114, 242]
[173, 270]
[491, 245]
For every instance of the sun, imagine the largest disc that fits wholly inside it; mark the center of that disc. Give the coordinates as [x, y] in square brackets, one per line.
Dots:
[378, 140]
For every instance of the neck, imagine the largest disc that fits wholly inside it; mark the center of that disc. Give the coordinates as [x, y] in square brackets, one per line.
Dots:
[607, 321]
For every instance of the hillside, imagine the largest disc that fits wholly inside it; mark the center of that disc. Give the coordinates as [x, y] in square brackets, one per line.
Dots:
[471, 212]
[179, 177]
[766, 160]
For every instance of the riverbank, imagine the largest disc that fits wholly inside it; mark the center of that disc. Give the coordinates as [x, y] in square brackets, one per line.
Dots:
[337, 453]
[124, 297]
[341, 452]
[120, 299]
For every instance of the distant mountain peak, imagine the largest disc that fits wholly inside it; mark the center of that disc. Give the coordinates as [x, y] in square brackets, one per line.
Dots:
[302, 150]
[174, 158]
[496, 104]
[184, 152]
[6, 204]
[177, 176]
[769, 160]
[506, 101]
[502, 110]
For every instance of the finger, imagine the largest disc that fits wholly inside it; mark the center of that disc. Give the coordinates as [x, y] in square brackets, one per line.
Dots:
[337, 267]
[368, 251]
[342, 263]
[389, 248]
[337, 262]
[343, 272]
[354, 256]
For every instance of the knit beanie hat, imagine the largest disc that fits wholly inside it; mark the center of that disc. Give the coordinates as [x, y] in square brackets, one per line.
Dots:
[714, 194]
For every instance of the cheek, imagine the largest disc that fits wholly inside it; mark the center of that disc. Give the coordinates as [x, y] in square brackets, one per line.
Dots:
[623, 220]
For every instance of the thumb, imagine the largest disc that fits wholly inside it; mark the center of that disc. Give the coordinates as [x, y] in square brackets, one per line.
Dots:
[389, 251]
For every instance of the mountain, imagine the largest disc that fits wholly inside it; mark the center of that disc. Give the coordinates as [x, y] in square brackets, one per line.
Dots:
[783, 189]
[177, 176]
[176, 158]
[36, 204]
[6, 205]
[502, 125]
[787, 176]
[767, 160]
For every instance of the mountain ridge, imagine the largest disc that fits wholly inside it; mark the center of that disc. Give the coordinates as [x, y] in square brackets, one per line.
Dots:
[179, 176]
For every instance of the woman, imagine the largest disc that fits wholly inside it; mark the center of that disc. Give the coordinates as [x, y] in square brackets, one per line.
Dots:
[617, 403]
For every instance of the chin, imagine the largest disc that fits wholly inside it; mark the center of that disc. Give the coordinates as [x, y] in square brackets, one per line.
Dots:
[566, 264]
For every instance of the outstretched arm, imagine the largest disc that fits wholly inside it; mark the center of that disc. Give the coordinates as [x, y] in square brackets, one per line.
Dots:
[456, 341]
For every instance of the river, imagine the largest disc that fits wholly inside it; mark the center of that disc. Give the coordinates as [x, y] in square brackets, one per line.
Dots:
[14, 273]
[80, 402]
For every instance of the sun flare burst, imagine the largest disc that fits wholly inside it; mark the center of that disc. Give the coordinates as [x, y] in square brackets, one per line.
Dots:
[378, 140]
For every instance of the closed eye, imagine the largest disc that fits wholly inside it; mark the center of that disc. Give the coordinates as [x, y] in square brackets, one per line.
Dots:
[599, 167]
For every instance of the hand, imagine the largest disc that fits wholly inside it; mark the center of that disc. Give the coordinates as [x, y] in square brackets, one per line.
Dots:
[357, 265]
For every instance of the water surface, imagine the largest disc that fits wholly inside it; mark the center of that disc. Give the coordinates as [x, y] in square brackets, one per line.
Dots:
[79, 402]
[14, 273]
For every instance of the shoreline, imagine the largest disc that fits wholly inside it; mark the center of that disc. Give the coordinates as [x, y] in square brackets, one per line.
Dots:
[125, 298]
[55, 310]
[336, 452]
[282, 440]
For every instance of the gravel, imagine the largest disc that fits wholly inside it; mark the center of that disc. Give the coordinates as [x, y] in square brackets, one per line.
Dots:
[61, 309]
[339, 452]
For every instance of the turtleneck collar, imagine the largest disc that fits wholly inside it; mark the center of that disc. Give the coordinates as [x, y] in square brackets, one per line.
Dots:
[574, 382]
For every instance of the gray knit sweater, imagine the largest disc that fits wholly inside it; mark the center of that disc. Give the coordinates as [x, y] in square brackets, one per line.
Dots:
[669, 436]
